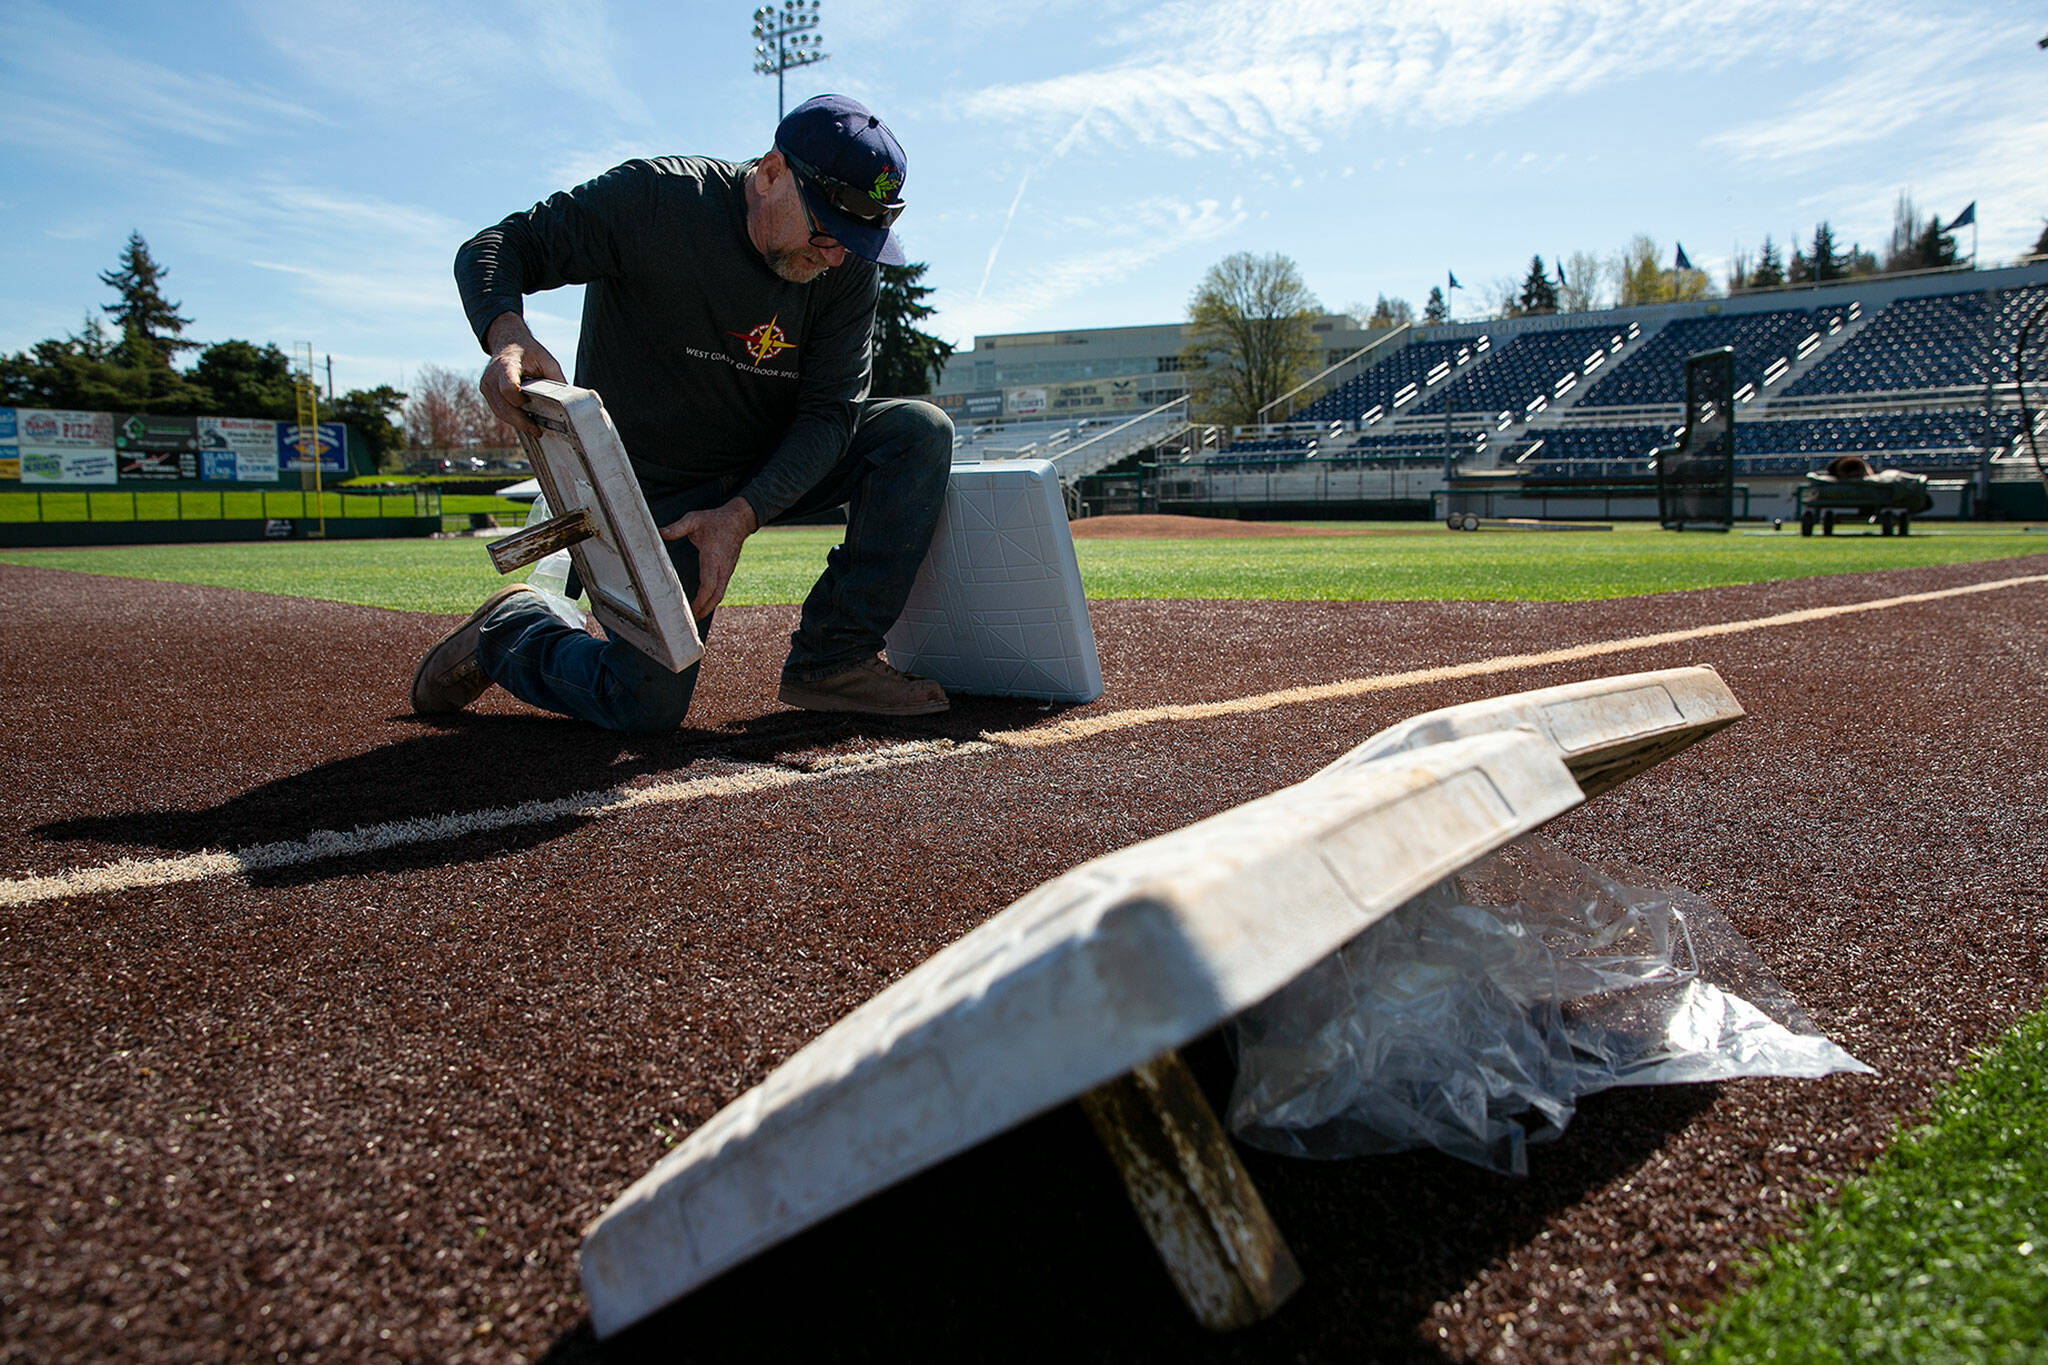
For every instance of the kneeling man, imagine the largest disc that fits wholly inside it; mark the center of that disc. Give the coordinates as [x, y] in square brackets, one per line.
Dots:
[729, 325]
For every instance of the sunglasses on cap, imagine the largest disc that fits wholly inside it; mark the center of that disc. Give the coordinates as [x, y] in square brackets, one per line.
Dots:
[856, 204]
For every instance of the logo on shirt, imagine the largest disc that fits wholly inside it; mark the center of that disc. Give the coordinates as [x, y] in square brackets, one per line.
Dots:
[767, 341]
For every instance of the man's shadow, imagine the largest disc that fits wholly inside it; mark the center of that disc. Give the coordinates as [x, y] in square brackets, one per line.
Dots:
[1027, 1246]
[471, 763]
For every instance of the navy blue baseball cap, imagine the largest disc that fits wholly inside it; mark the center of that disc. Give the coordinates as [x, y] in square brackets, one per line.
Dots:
[849, 168]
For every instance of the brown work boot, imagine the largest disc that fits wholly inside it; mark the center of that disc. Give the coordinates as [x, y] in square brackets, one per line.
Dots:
[449, 677]
[869, 687]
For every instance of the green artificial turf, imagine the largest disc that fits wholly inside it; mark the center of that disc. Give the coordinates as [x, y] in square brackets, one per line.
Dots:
[1420, 561]
[1938, 1253]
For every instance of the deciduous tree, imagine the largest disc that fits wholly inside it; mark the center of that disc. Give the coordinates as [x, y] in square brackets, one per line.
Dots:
[445, 414]
[1385, 314]
[1578, 286]
[1249, 333]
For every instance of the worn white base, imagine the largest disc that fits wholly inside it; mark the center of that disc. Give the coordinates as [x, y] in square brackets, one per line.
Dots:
[1605, 729]
[1084, 979]
[582, 466]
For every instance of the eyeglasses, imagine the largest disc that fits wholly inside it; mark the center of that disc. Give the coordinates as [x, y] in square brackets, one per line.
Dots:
[856, 204]
[820, 238]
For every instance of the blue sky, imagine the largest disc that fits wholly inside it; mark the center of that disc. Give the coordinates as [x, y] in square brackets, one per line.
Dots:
[306, 170]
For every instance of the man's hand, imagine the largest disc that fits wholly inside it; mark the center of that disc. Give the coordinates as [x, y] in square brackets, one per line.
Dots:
[515, 358]
[718, 535]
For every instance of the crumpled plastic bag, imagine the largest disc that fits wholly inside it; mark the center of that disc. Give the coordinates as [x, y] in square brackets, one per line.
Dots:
[1473, 1017]
[550, 574]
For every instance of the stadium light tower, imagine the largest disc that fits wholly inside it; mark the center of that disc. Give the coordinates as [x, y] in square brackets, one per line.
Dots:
[785, 39]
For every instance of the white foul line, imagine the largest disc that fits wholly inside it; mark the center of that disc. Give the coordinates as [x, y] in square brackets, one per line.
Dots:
[132, 873]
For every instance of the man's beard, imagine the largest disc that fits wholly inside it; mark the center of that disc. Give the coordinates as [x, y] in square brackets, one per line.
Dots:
[795, 267]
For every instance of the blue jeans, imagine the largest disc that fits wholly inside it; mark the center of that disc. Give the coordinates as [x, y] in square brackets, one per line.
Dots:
[892, 482]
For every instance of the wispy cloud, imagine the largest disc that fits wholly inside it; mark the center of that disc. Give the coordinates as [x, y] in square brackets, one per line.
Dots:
[69, 89]
[1205, 79]
[1888, 92]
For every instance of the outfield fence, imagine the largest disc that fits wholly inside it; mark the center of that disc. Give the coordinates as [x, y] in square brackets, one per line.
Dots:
[128, 505]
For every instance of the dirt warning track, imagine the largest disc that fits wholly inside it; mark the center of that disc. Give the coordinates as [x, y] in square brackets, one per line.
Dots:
[358, 1101]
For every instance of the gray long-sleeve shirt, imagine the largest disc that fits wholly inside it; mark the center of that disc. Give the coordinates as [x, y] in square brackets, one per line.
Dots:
[710, 364]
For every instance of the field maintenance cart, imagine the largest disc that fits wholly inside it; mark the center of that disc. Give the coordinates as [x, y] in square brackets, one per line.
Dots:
[1847, 492]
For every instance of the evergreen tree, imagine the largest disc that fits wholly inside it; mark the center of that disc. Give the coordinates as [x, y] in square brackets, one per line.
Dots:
[2041, 242]
[1538, 294]
[370, 413]
[907, 362]
[1825, 262]
[1434, 309]
[143, 311]
[1801, 269]
[242, 379]
[1770, 267]
[1935, 249]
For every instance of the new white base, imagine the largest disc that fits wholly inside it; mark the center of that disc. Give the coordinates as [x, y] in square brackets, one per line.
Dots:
[997, 609]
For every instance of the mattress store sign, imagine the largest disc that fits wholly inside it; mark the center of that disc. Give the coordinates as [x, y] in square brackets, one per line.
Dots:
[238, 449]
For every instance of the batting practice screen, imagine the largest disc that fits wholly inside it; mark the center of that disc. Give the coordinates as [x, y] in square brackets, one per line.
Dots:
[1696, 477]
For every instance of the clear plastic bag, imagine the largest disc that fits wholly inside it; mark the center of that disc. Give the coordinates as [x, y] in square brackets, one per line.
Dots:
[1473, 1017]
[550, 576]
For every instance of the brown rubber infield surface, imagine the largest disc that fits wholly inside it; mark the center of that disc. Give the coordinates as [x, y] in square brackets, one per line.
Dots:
[362, 1108]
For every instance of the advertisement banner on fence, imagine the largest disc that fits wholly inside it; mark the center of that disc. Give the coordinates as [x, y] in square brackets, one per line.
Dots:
[1095, 396]
[972, 407]
[241, 449]
[10, 462]
[333, 448]
[92, 467]
[157, 464]
[50, 429]
[1027, 402]
[136, 431]
[8, 428]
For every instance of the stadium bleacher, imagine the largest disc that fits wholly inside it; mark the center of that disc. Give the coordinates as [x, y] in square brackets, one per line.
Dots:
[1937, 341]
[1656, 373]
[1908, 387]
[1946, 440]
[1524, 369]
[1382, 386]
